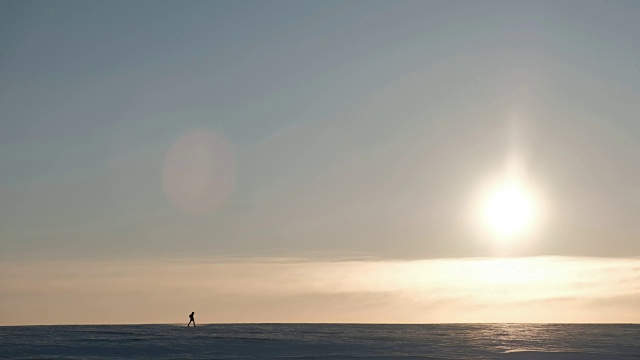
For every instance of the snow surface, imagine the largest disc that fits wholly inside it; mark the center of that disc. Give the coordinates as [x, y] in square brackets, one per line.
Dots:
[322, 341]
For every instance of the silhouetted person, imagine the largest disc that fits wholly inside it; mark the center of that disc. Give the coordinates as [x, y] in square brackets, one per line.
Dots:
[192, 320]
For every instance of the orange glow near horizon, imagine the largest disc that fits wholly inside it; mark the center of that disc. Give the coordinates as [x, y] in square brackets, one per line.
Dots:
[538, 289]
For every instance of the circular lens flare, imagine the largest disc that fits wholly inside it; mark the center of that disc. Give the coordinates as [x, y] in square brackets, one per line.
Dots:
[199, 173]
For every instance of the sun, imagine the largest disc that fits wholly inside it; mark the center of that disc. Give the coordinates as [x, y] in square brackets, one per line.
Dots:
[509, 210]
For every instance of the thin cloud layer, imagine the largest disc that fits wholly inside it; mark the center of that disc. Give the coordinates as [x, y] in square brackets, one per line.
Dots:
[537, 289]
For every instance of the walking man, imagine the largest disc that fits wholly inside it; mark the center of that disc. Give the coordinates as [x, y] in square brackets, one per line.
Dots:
[191, 320]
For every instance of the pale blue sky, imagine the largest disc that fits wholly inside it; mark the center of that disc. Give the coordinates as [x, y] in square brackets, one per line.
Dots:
[357, 127]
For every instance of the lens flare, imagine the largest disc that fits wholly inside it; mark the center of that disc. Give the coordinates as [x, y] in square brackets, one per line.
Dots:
[199, 173]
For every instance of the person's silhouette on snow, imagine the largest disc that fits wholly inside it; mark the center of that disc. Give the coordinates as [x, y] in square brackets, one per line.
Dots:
[192, 320]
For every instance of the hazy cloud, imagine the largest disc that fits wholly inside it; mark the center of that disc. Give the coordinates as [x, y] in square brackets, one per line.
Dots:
[538, 289]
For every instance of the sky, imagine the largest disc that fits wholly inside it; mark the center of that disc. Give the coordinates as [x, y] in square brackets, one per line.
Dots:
[262, 151]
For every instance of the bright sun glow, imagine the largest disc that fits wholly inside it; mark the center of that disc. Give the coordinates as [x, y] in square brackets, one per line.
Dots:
[509, 210]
